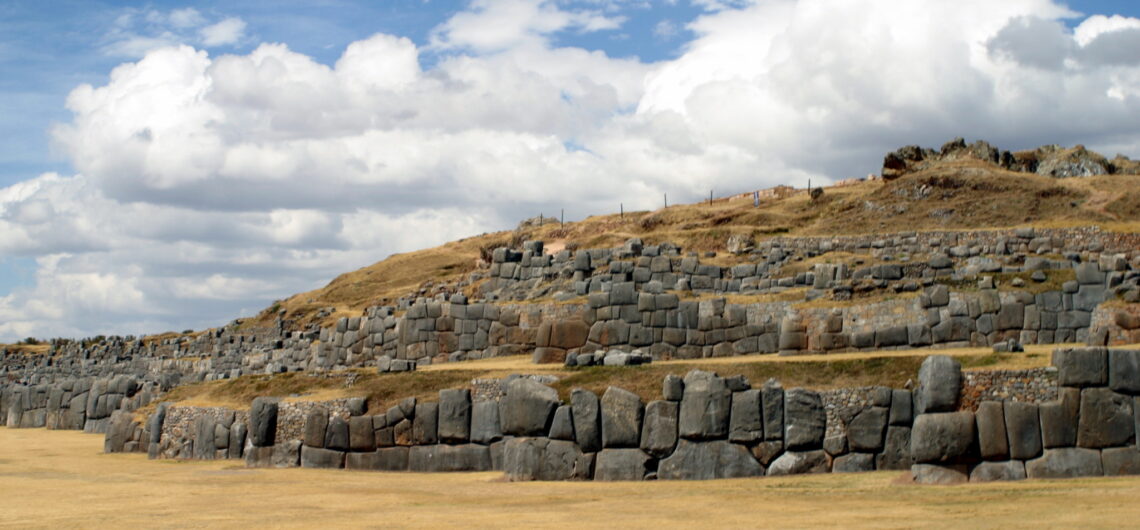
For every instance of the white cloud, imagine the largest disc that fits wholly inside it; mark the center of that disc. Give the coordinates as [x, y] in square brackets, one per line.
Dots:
[228, 31]
[210, 184]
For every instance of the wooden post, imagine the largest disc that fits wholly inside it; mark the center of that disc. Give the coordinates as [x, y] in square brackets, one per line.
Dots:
[622, 207]
[666, 200]
[562, 220]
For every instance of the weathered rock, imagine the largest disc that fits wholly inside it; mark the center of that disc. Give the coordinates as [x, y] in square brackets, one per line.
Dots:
[804, 420]
[766, 452]
[622, 412]
[1024, 430]
[314, 457]
[993, 442]
[336, 437]
[746, 425]
[425, 426]
[939, 381]
[1124, 371]
[361, 436]
[799, 462]
[772, 396]
[865, 431]
[562, 426]
[1081, 367]
[659, 432]
[1059, 419]
[853, 463]
[709, 460]
[449, 458]
[454, 415]
[527, 408]
[939, 474]
[621, 464]
[286, 454]
[485, 427]
[316, 426]
[942, 437]
[995, 471]
[1065, 462]
[563, 460]
[705, 407]
[896, 449]
[902, 407]
[673, 388]
[1106, 419]
[1118, 461]
[263, 422]
[586, 408]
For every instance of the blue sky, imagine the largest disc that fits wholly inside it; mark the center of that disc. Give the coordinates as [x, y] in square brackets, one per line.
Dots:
[189, 188]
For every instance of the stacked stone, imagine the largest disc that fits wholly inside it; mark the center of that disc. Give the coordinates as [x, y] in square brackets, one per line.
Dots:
[1089, 431]
[75, 404]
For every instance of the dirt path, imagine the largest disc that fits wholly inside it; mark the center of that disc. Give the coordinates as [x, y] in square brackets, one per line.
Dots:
[57, 479]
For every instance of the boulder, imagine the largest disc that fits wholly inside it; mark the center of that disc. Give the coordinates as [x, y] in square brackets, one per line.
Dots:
[995, 471]
[705, 407]
[799, 462]
[562, 426]
[1023, 428]
[286, 454]
[314, 457]
[263, 422]
[454, 415]
[853, 463]
[621, 464]
[943, 437]
[1106, 419]
[746, 425]
[563, 460]
[939, 474]
[622, 412]
[527, 408]
[939, 381]
[709, 460]
[993, 442]
[659, 432]
[804, 419]
[865, 431]
[1065, 462]
[586, 409]
[673, 388]
[485, 427]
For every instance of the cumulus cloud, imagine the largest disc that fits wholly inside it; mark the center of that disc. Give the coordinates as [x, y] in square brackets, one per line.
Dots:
[208, 185]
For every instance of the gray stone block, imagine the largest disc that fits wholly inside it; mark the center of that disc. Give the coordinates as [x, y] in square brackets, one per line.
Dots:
[316, 427]
[1065, 462]
[263, 422]
[659, 432]
[865, 431]
[798, 463]
[621, 464]
[336, 436]
[1117, 461]
[939, 381]
[586, 408]
[993, 442]
[1081, 367]
[622, 412]
[709, 460]
[673, 388]
[942, 437]
[449, 458]
[939, 474]
[705, 407]
[1106, 419]
[425, 426]
[562, 426]
[998, 471]
[902, 407]
[1124, 371]
[746, 423]
[527, 408]
[361, 436]
[313, 457]
[454, 415]
[772, 396]
[853, 463]
[1059, 419]
[285, 454]
[485, 427]
[1024, 430]
[804, 419]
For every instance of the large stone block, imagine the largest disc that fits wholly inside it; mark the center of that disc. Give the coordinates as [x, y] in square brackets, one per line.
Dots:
[705, 407]
[853, 463]
[772, 396]
[449, 458]
[286, 454]
[361, 435]
[485, 427]
[1065, 462]
[314, 457]
[562, 426]
[804, 419]
[621, 464]
[896, 449]
[1059, 419]
[993, 442]
[1124, 371]
[563, 460]
[586, 408]
[1106, 419]
[1023, 427]
[995, 471]
[316, 426]
[709, 460]
[1118, 461]
[865, 431]
[902, 407]
[942, 437]
[527, 408]
[746, 424]
[425, 425]
[263, 422]
[454, 415]
[939, 474]
[1081, 367]
[659, 432]
[622, 412]
[939, 381]
[336, 436]
[799, 462]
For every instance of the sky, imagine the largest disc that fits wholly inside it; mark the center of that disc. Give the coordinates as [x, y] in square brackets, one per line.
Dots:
[174, 165]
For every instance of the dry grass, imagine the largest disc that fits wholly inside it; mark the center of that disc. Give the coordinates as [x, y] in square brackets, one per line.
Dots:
[57, 479]
[892, 368]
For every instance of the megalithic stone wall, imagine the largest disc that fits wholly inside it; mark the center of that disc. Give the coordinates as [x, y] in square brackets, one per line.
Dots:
[1089, 430]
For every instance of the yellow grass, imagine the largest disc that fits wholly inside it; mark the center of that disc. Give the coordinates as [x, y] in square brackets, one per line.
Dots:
[57, 479]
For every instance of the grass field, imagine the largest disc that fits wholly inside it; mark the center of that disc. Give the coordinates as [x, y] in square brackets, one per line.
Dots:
[60, 479]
